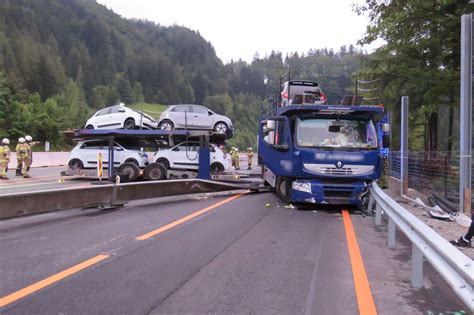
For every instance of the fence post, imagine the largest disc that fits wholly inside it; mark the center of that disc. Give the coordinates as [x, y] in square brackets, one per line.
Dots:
[392, 233]
[465, 143]
[416, 267]
[404, 147]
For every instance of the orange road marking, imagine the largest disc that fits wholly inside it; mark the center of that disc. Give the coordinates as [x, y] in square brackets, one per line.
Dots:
[50, 280]
[186, 218]
[365, 300]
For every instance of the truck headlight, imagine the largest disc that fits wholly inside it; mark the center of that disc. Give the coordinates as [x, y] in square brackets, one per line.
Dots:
[305, 187]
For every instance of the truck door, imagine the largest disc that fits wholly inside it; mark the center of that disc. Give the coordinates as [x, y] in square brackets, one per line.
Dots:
[275, 148]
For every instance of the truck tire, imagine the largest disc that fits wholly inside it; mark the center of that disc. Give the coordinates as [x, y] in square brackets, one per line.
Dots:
[155, 171]
[130, 170]
[164, 162]
[283, 189]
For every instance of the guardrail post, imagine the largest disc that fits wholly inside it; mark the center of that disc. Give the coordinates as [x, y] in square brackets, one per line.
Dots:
[378, 214]
[392, 232]
[371, 204]
[416, 267]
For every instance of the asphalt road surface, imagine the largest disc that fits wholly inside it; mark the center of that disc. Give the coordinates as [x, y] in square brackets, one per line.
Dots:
[42, 178]
[244, 254]
[49, 178]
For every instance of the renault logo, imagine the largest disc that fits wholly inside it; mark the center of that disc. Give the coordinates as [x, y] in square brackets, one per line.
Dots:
[339, 164]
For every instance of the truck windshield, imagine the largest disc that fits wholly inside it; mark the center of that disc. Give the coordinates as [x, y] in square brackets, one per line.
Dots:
[331, 133]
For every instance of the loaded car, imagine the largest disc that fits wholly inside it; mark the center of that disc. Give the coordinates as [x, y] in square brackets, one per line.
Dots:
[85, 154]
[195, 117]
[302, 92]
[120, 116]
[186, 156]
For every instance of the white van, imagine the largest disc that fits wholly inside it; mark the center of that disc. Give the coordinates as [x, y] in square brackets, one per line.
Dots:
[298, 92]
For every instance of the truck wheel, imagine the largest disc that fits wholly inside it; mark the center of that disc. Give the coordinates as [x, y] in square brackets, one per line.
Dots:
[155, 171]
[164, 162]
[283, 189]
[129, 169]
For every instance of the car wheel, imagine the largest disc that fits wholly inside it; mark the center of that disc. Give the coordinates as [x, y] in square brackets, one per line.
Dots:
[155, 171]
[132, 161]
[90, 127]
[164, 162]
[129, 170]
[283, 189]
[217, 168]
[76, 164]
[129, 124]
[167, 125]
[221, 127]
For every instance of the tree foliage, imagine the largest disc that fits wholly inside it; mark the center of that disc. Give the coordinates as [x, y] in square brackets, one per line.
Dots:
[61, 60]
[420, 58]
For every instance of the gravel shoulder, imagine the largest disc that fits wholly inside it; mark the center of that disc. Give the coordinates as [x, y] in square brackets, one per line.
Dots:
[450, 230]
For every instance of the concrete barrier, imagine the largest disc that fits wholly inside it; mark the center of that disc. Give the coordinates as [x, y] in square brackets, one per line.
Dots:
[42, 159]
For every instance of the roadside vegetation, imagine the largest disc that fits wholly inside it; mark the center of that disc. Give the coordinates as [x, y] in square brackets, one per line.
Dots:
[60, 61]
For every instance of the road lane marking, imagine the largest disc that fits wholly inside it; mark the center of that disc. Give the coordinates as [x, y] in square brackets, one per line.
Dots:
[365, 300]
[21, 179]
[186, 218]
[50, 280]
[19, 183]
[29, 185]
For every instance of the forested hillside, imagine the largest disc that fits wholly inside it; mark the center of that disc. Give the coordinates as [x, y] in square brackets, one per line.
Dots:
[60, 60]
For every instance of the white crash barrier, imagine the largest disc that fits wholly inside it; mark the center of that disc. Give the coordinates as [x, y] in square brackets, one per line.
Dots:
[42, 159]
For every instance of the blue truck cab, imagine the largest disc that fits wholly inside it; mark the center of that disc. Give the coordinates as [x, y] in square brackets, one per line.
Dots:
[321, 154]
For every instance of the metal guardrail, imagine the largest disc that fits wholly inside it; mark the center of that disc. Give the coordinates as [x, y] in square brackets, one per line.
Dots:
[109, 195]
[456, 268]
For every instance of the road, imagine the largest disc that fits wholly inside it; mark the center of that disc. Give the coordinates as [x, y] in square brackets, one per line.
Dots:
[46, 178]
[49, 178]
[208, 254]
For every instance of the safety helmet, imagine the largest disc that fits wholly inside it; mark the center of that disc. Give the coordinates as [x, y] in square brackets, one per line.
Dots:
[249, 149]
[28, 138]
[236, 149]
[21, 140]
[5, 141]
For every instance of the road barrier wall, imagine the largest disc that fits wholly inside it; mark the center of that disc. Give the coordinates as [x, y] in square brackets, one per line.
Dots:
[107, 195]
[43, 159]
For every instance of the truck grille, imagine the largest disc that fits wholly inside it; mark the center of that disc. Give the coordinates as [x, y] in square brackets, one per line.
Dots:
[331, 169]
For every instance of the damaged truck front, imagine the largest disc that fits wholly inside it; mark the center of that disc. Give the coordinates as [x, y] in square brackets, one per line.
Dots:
[322, 154]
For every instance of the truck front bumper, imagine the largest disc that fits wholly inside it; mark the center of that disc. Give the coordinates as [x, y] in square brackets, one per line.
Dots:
[313, 191]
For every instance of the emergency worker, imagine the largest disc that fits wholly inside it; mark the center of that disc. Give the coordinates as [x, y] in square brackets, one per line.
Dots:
[231, 153]
[249, 158]
[4, 158]
[19, 160]
[23, 156]
[235, 159]
[31, 143]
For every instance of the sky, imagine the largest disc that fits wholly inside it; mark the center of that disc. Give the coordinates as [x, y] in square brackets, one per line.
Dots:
[239, 29]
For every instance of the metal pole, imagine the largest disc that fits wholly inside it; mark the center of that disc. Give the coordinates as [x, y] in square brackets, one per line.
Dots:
[465, 149]
[404, 146]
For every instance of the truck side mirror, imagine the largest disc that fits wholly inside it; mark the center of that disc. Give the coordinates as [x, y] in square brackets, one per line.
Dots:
[281, 147]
